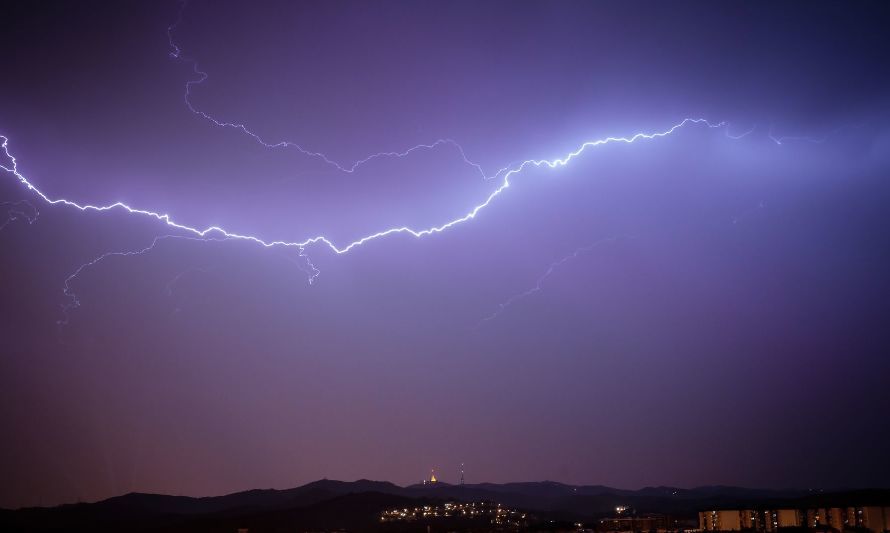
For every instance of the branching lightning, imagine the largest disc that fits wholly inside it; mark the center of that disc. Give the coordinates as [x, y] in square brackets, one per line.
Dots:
[539, 284]
[74, 302]
[220, 232]
[782, 139]
[168, 288]
[22, 209]
[503, 176]
[202, 76]
[736, 137]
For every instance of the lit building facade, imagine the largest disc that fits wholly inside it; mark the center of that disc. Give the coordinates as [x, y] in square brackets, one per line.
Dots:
[875, 519]
[648, 522]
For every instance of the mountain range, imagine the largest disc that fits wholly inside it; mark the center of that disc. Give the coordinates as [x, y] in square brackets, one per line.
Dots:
[356, 506]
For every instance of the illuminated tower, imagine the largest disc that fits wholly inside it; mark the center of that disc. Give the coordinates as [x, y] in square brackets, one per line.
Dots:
[432, 475]
[461, 473]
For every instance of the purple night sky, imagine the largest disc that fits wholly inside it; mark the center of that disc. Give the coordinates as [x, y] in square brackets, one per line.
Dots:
[703, 308]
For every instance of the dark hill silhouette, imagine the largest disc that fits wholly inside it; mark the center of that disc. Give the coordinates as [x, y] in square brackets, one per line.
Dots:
[351, 512]
[355, 506]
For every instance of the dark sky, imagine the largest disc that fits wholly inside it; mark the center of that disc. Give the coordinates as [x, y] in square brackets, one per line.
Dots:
[688, 310]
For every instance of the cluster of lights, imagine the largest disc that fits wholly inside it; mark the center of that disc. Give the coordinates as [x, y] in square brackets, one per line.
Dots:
[775, 519]
[498, 514]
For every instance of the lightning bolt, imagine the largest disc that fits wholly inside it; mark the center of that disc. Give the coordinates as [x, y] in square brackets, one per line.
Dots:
[220, 232]
[22, 209]
[781, 139]
[176, 52]
[504, 176]
[740, 135]
[168, 288]
[74, 302]
[539, 284]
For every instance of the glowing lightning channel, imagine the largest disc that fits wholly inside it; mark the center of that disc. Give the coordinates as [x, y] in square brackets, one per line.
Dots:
[202, 76]
[22, 209]
[539, 284]
[168, 288]
[782, 139]
[740, 135]
[505, 184]
[218, 233]
[342, 249]
[74, 302]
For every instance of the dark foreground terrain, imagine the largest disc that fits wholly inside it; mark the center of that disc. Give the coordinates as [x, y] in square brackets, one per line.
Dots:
[356, 506]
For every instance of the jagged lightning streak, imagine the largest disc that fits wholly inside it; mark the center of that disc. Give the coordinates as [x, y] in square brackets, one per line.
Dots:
[539, 284]
[202, 76]
[782, 139]
[74, 302]
[168, 288]
[218, 231]
[740, 135]
[21, 209]
[505, 184]
[177, 53]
